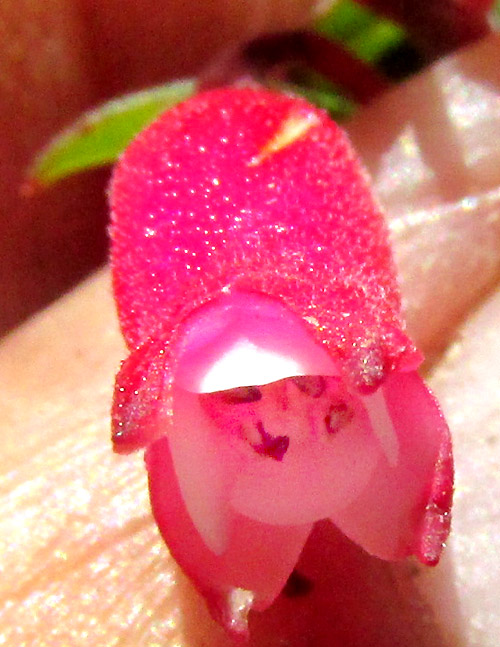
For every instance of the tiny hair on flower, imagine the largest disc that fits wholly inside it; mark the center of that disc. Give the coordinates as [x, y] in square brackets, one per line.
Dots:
[270, 378]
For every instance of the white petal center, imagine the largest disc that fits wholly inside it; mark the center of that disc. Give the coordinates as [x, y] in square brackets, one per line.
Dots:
[253, 358]
[246, 338]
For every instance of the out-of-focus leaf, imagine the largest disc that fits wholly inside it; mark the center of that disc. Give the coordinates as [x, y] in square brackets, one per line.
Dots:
[319, 91]
[98, 137]
[496, 14]
[338, 106]
[376, 41]
[367, 35]
[345, 20]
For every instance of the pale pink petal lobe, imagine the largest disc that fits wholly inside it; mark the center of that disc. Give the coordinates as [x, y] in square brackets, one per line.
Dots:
[205, 468]
[259, 557]
[330, 454]
[401, 509]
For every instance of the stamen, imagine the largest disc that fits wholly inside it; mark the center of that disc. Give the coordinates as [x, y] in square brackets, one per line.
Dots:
[241, 395]
[272, 446]
[313, 385]
[339, 415]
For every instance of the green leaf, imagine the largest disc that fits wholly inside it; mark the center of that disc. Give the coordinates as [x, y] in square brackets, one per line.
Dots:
[98, 137]
[376, 41]
[367, 35]
[495, 14]
[338, 106]
[345, 20]
[318, 90]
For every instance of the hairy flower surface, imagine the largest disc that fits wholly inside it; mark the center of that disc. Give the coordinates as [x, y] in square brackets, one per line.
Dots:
[269, 376]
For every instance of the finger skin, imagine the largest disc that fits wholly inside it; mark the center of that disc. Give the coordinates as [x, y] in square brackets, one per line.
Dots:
[82, 561]
[473, 413]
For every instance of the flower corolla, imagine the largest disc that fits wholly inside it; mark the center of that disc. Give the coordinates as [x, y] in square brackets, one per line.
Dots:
[270, 377]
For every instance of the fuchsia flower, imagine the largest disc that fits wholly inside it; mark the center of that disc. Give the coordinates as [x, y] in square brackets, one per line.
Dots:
[269, 376]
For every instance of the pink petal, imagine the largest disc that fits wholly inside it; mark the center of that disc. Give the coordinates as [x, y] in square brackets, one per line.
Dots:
[259, 558]
[285, 458]
[205, 468]
[400, 510]
[321, 470]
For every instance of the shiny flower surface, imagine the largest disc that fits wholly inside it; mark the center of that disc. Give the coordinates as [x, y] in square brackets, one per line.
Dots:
[269, 378]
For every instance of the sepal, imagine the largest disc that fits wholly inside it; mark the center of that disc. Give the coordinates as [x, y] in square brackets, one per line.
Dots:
[140, 384]
[436, 522]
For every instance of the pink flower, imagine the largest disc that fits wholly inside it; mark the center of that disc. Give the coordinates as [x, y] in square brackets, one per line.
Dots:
[270, 377]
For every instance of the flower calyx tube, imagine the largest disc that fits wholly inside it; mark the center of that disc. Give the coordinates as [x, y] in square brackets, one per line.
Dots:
[270, 377]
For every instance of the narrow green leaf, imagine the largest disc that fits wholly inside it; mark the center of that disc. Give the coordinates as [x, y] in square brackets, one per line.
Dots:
[367, 35]
[345, 20]
[338, 106]
[495, 14]
[376, 41]
[98, 137]
[319, 91]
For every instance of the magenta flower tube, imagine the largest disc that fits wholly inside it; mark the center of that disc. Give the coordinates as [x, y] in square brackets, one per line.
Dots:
[270, 377]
